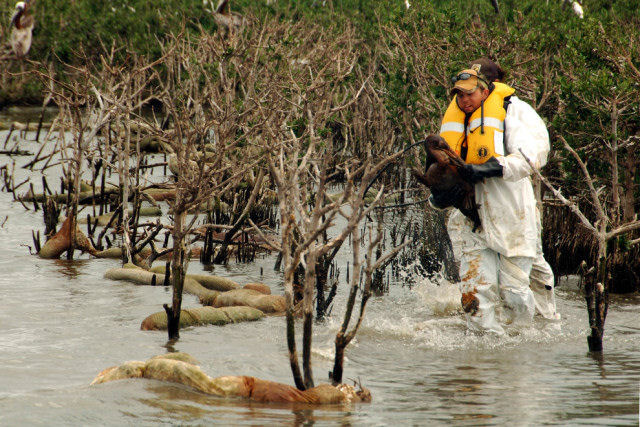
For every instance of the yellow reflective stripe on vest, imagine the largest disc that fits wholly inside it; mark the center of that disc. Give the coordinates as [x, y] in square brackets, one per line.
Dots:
[480, 145]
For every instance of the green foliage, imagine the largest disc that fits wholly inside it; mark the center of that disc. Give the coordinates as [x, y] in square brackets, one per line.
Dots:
[548, 51]
[64, 27]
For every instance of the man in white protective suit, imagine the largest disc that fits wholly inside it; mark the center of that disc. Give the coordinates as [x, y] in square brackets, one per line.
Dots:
[488, 126]
[541, 279]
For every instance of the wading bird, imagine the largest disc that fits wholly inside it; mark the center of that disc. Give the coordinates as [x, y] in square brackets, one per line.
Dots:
[577, 9]
[227, 20]
[21, 29]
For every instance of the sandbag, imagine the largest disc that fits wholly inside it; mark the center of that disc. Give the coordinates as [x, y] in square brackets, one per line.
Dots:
[190, 375]
[144, 277]
[178, 355]
[151, 144]
[260, 287]
[115, 252]
[215, 283]
[86, 194]
[161, 194]
[105, 218]
[248, 297]
[133, 369]
[42, 197]
[138, 276]
[203, 316]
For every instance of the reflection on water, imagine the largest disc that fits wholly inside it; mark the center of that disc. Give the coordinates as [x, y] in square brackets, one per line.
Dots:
[62, 323]
[598, 358]
[186, 406]
[70, 268]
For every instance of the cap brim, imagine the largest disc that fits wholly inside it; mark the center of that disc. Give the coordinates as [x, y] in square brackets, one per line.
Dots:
[466, 86]
[455, 90]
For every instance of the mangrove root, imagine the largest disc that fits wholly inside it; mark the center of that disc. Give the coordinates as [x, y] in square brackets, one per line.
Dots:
[61, 242]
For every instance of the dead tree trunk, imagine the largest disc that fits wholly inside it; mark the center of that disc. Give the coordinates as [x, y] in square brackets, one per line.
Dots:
[178, 272]
[77, 170]
[322, 274]
[307, 310]
[291, 264]
[51, 213]
[342, 337]
[597, 297]
[124, 152]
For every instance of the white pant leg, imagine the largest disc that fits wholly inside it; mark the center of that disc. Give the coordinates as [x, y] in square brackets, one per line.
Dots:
[541, 280]
[479, 288]
[513, 279]
[542, 286]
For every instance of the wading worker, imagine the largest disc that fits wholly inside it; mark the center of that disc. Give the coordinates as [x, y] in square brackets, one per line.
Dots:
[495, 260]
[541, 279]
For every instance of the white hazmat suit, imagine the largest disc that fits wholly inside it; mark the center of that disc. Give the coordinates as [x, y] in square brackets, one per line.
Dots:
[496, 261]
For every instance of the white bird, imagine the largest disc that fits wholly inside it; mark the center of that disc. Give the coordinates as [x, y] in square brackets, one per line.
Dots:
[407, 4]
[577, 9]
[21, 29]
[229, 21]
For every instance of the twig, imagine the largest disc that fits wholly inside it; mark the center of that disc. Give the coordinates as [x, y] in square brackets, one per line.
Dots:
[572, 206]
[594, 194]
[263, 236]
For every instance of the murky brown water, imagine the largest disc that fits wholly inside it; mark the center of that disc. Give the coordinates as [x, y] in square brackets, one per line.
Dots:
[61, 323]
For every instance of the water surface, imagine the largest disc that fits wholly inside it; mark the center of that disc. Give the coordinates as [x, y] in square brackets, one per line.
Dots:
[61, 323]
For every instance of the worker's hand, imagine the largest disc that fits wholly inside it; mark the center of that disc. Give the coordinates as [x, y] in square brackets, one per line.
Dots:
[477, 173]
[444, 199]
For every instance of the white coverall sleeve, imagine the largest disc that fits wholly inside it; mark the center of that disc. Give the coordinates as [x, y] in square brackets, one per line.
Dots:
[526, 131]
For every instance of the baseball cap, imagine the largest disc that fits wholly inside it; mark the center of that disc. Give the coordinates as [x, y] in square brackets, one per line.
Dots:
[468, 81]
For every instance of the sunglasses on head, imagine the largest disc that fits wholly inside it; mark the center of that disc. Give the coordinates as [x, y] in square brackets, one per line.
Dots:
[466, 76]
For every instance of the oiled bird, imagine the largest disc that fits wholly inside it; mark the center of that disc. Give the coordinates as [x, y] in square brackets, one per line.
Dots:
[21, 29]
[444, 173]
[226, 19]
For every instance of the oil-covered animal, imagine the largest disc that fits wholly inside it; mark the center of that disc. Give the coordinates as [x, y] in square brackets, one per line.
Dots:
[444, 172]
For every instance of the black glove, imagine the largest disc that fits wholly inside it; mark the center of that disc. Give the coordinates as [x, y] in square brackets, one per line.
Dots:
[476, 173]
[444, 199]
